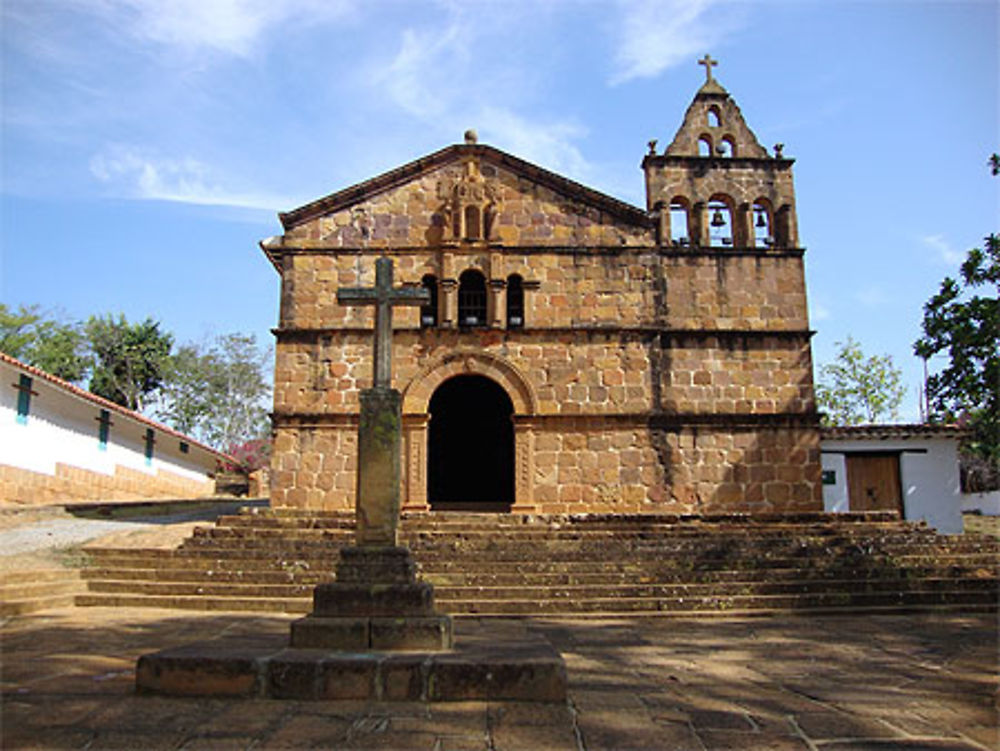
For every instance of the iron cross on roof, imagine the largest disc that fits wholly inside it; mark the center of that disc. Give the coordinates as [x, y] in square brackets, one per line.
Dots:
[383, 296]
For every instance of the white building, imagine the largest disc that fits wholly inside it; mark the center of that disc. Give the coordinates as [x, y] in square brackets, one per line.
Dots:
[912, 469]
[61, 444]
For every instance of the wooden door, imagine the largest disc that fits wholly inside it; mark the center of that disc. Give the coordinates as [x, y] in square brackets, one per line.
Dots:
[873, 482]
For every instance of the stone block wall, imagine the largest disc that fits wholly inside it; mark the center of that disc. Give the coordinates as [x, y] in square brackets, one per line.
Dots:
[71, 484]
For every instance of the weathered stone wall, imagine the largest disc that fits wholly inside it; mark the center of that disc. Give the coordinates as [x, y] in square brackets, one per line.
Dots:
[418, 215]
[724, 289]
[595, 464]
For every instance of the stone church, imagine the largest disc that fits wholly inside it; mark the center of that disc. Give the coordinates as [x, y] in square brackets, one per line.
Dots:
[578, 353]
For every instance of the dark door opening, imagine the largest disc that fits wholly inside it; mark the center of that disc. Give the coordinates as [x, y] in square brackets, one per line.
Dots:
[470, 452]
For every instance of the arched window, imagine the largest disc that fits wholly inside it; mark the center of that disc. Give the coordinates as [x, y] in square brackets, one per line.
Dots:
[763, 235]
[473, 231]
[726, 148]
[704, 146]
[720, 223]
[515, 301]
[429, 312]
[712, 117]
[679, 234]
[471, 299]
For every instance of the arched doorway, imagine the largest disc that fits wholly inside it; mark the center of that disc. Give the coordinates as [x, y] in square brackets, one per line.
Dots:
[470, 446]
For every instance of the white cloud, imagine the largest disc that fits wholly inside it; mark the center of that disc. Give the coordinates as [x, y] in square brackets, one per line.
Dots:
[659, 34]
[943, 249]
[437, 77]
[232, 27]
[134, 173]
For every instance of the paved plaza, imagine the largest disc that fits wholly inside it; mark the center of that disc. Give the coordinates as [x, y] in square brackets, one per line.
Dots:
[838, 682]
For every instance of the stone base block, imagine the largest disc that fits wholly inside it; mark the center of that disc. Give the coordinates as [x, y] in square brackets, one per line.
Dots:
[382, 634]
[489, 669]
[339, 599]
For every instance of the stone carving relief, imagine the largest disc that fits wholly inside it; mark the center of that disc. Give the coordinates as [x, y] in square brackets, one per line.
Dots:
[471, 204]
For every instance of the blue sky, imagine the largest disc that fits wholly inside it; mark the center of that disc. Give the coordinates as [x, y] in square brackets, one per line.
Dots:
[147, 145]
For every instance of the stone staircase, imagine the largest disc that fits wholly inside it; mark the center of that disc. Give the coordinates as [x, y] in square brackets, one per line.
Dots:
[29, 591]
[581, 566]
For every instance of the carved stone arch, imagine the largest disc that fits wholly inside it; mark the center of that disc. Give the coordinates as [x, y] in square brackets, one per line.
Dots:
[419, 391]
[416, 406]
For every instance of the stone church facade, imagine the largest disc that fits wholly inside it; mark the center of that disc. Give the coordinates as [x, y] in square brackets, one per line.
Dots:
[579, 354]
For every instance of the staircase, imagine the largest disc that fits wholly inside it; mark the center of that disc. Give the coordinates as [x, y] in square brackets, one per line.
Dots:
[29, 591]
[580, 566]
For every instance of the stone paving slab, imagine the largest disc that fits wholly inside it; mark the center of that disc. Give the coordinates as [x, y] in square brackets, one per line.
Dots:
[846, 683]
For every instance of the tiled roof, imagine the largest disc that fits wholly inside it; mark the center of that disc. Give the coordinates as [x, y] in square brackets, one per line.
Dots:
[898, 432]
[103, 403]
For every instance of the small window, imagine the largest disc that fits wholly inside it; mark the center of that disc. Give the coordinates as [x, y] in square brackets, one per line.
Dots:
[473, 231]
[713, 119]
[150, 442]
[103, 430]
[429, 312]
[24, 393]
[515, 302]
[471, 299]
[185, 448]
[704, 146]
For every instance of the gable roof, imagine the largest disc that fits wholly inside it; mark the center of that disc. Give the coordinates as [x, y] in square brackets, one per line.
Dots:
[454, 153]
[109, 405]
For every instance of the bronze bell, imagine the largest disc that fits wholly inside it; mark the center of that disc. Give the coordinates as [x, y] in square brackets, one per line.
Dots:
[761, 219]
[717, 220]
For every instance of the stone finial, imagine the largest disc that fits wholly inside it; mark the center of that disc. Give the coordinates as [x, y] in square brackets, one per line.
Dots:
[652, 147]
[471, 137]
[778, 148]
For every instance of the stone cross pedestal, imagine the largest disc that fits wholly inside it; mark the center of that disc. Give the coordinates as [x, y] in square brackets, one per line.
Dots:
[376, 603]
[374, 634]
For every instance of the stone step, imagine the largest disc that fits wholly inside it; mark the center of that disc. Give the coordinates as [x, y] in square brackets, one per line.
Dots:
[885, 602]
[10, 608]
[515, 578]
[23, 592]
[197, 602]
[722, 603]
[570, 597]
[434, 562]
[514, 549]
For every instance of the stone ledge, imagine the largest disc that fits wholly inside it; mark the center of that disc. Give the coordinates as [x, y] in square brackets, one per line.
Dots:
[432, 632]
[487, 668]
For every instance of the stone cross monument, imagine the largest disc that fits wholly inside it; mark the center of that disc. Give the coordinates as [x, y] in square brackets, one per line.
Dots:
[379, 431]
[376, 603]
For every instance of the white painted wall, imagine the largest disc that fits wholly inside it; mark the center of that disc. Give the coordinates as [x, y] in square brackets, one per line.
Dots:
[62, 427]
[987, 504]
[930, 481]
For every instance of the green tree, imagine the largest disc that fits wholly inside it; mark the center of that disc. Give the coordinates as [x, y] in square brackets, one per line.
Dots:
[218, 393]
[856, 389]
[57, 347]
[965, 326]
[129, 359]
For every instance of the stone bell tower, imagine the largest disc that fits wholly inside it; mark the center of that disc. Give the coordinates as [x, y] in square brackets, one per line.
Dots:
[736, 355]
[715, 185]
